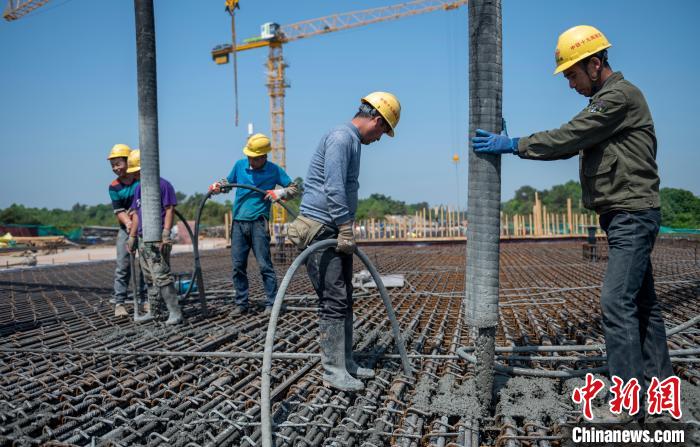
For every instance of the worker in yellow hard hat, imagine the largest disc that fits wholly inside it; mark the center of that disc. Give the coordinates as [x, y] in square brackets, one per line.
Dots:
[121, 194]
[327, 211]
[251, 214]
[615, 140]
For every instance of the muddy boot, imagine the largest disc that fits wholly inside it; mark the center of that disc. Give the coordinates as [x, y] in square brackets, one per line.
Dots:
[120, 311]
[332, 342]
[170, 297]
[144, 317]
[352, 367]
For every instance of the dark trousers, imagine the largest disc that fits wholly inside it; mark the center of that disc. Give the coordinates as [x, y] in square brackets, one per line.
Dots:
[635, 335]
[331, 276]
[247, 234]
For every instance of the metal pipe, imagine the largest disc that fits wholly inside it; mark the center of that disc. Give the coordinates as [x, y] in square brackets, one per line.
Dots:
[693, 321]
[531, 372]
[484, 192]
[148, 121]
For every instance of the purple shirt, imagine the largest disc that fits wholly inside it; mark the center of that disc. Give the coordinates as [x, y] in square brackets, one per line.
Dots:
[167, 198]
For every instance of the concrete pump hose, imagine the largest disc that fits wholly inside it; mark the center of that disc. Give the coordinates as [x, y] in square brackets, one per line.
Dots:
[532, 372]
[265, 414]
[197, 273]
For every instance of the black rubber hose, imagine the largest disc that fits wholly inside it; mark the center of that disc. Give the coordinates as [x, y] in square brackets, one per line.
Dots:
[197, 273]
[266, 418]
[189, 231]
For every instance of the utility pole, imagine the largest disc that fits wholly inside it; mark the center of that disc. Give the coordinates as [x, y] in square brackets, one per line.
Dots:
[484, 195]
[148, 120]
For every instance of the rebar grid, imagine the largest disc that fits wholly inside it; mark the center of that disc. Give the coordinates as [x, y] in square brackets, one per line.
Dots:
[549, 296]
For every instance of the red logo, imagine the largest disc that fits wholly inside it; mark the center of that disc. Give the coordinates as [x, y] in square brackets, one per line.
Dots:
[586, 393]
[661, 396]
[665, 396]
[626, 397]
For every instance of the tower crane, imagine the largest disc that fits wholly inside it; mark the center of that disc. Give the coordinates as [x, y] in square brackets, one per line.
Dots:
[18, 8]
[274, 36]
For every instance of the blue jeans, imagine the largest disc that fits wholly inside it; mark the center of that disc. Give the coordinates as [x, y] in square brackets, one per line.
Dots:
[635, 335]
[122, 273]
[246, 235]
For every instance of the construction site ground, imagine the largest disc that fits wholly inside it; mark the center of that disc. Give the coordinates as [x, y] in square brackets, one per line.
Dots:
[549, 296]
[72, 255]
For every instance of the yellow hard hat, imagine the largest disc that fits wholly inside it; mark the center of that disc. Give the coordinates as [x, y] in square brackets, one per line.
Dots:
[133, 163]
[387, 105]
[576, 44]
[257, 145]
[119, 150]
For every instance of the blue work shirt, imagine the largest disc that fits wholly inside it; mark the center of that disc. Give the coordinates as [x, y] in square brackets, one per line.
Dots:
[331, 184]
[250, 205]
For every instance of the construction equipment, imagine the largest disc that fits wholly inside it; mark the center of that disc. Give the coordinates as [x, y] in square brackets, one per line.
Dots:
[257, 146]
[119, 151]
[134, 161]
[274, 35]
[387, 105]
[576, 44]
[17, 8]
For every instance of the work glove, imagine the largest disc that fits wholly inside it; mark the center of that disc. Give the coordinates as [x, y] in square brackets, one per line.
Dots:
[292, 190]
[276, 195]
[131, 244]
[490, 143]
[215, 188]
[165, 237]
[219, 186]
[346, 239]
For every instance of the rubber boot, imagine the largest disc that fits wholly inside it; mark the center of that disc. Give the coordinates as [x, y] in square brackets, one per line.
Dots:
[170, 297]
[350, 364]
[144, 317]
[332, 342]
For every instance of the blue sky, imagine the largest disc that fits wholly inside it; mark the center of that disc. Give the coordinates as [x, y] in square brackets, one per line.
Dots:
[68, 89]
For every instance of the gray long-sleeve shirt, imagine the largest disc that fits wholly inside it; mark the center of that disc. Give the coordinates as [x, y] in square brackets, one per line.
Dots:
[331, 184]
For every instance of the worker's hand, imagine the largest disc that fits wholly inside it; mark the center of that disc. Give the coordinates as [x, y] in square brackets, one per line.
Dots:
[292, 190]
[215, 188]
[131, 244]
[165, 237]
[276, 195]
[166, 243]
[346, 239]
[490, 143]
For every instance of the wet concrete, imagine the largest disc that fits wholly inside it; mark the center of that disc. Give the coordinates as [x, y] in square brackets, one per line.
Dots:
[485, 354]
[449, 399]
[533, 399]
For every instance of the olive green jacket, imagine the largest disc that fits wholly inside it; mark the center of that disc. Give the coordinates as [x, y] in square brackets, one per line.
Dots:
[615, 140]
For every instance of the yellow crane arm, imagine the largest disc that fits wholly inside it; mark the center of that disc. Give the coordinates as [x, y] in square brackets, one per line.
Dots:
[17, 8]
[338, 22]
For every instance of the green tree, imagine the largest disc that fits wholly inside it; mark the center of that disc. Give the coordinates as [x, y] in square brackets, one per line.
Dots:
[679, 208]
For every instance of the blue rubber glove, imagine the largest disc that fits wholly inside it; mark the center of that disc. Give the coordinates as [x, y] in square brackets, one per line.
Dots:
[490, 143]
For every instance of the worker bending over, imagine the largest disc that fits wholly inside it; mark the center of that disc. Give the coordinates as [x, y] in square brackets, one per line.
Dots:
[251, 214]
[327, 211]
[615, 140]
[155, 258]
